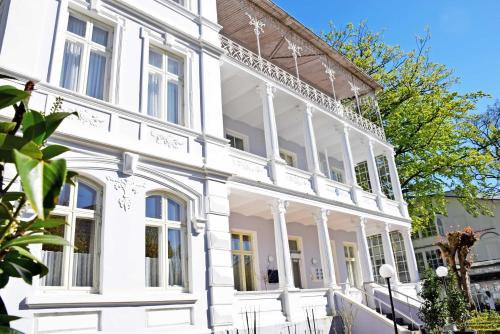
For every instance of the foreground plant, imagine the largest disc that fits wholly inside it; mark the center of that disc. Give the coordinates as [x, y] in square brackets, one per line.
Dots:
[434, 309]
[457, 304]
[25, 214]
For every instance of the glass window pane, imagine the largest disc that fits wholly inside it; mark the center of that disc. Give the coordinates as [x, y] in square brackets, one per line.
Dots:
[52, 257]
[99, 36]
[64, 195]
[235, 242]
[153, 207]
[154, 94]
[86, 198]
[70, 71]
[77, 26]
[173, 103]
[96, 74]
[174, 66]
[248, 273]
[83, 255]
[155, 59]
[293, 246]
[247, 243]
[236, 272]
[174, 210]
[174, 258]
[152, 250]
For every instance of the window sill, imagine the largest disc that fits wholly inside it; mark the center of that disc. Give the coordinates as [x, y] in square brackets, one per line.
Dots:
[60, 300]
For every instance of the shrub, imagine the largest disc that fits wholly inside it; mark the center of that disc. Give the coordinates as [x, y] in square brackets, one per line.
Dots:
[434, 310]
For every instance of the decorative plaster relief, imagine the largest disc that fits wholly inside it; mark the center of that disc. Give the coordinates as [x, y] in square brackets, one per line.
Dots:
[128, 188]
[299, 181]
[86, 117]
[170, 140]
[252, 170]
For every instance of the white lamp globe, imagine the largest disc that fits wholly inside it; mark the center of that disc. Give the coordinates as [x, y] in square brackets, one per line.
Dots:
[442, 271]
[386, 271]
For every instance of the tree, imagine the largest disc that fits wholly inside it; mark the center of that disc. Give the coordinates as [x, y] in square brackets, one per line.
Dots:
[430, 125]
[32, 161]
[457, 303]
[458, 245]
[434, 309]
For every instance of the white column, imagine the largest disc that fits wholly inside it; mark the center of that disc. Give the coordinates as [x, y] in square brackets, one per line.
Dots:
[282, 249]
[144, 34]
[396, 184]
[267, 91]
[325, 249]
[410, 255]
[310, 139]
[388, 252]
[374, 177]
[348, 161]
[364, 252]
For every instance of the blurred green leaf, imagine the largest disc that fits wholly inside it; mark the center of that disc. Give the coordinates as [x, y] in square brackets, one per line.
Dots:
[48, 223]
[5, 319]
[8, 143]
[35, 239]
[6, 127]
[53, 151]
[53, 121]
[10, 95]
[6, 330]
[70, 176]
[33, 126]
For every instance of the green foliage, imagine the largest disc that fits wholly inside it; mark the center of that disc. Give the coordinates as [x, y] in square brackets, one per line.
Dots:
[486, 322]
[41, 178]
[438, 145]
[458, 306]
[434, 309]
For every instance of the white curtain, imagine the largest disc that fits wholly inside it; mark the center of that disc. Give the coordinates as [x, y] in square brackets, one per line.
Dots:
[71, 65]
[173, 103]
[53, 261]
[83, 265]
[97, 71]
[154, 96]
[174, 258]
[152, 272]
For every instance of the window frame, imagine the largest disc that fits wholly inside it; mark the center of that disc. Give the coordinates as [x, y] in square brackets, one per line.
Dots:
[71, 213]
[402, 252]
[384, 176]
[338, 172]
[381, 256]
[302, 263]
[290, 154]
[356, 261]
[167, 77]
[164, 224]
[253, 253]
[366, 175]
[235, 134]
[89, 46]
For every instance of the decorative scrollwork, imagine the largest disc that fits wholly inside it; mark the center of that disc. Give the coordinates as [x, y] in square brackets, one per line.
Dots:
[128, 187]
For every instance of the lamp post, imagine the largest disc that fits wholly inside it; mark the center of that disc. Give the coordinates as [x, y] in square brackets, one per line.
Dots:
[442, 272]
[387, 271]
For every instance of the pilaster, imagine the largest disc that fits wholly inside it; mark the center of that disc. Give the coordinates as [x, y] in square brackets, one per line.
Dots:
[388, 251]
[374, 176]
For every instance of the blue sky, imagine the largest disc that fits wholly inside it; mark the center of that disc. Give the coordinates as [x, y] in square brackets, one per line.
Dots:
[465, 33]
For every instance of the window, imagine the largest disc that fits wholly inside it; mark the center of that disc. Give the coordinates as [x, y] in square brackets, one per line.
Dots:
[87, 57]
[429, 231]
[440, 227]
[165, 251]
[351, 265]
[362, 176]
[376, 256]
[434, 259]
[74, 267]
[420, 262]
[336, 175]
[384, 176]
[398, 248]
[237, 140]
[293, 245]
[289, 157]
[243, 261]
[165, 86]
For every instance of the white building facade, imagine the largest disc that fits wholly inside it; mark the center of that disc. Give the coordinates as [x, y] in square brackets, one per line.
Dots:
[230, 167]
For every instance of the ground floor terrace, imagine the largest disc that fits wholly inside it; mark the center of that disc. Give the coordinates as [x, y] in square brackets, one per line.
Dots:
[290, 255]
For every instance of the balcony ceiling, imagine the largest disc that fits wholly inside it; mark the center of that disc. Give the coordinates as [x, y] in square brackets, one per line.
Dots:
[232, 15]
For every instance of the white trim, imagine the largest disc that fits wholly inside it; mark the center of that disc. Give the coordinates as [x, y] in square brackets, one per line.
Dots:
[236, 134]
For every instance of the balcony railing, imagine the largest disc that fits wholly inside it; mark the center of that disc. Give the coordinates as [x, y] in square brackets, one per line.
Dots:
[272, 71]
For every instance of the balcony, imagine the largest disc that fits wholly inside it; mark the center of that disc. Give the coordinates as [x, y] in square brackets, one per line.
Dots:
[323, 101]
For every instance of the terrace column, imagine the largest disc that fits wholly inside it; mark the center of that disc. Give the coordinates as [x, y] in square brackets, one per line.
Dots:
[388, 251]
[374, 176]
[396, 184]
[348, 161]
[410, 255]
[364, 251]
[311, 149]
[325, 249]
[266, 91]
[283, 259]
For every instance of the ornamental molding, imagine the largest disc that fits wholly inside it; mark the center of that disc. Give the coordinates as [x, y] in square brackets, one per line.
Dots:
[128, 188]
[88, 118]
[167, 140]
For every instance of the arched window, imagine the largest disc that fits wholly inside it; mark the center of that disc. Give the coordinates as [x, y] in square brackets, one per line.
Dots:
[165, 241]
[74, 267]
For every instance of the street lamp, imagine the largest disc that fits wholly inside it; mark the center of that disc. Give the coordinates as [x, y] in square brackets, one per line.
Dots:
[387, 271]
[442, 272]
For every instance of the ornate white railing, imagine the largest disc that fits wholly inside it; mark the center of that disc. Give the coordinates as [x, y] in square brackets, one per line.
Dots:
[272, 71]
